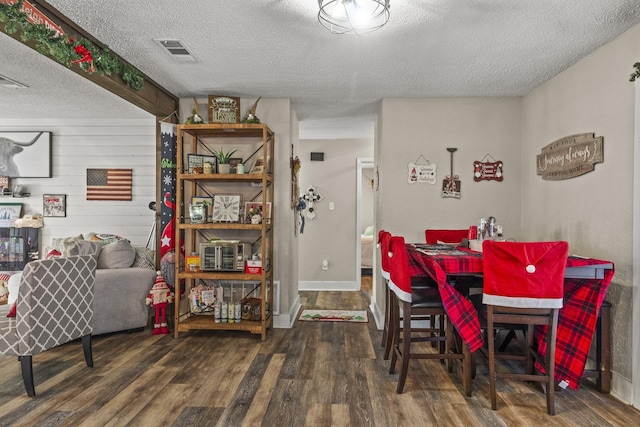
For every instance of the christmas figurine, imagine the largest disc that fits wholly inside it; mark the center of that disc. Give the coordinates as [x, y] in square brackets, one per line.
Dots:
[159, 297]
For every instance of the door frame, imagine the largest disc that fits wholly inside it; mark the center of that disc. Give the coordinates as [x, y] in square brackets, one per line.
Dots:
[361, 163]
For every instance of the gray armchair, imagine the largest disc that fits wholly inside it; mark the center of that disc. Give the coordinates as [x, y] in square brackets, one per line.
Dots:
[54, 306]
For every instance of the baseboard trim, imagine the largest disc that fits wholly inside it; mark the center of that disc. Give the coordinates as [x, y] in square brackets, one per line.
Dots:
[377, 314]
[328, 286]
[621, 388]
[286, 321]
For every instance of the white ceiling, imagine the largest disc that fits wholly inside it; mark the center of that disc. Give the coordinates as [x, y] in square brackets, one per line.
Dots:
[277, 49]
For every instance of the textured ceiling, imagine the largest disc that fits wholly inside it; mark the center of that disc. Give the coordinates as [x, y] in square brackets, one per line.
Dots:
[277, 49]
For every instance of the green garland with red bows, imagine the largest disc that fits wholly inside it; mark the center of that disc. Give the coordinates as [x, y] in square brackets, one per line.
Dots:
[66, 50]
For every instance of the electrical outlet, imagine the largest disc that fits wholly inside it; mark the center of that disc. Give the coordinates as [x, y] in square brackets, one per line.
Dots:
[325, 264]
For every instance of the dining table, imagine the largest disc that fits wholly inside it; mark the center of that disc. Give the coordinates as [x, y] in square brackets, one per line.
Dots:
[585, 286]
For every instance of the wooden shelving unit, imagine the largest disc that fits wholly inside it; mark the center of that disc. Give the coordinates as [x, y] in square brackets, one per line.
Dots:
[194, 139]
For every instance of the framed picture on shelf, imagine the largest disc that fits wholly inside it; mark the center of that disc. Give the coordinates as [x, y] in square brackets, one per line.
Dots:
[224, 109]
[4, 185]
[34, 160]
[54, 205]
[258, 166]
[9, 212]
[207, 201]
[233, 163]
[256, 214]
[195, 163]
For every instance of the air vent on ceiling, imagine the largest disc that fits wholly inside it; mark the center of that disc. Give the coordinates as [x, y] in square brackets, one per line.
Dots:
[7, 82]
[176, 50]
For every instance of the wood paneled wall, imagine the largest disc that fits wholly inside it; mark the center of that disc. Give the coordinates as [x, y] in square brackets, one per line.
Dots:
[78, 145]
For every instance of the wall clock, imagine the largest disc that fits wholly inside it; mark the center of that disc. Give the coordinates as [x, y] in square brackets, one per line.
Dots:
[226, 207]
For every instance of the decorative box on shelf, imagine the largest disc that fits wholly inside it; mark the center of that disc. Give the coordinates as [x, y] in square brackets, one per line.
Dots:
[253, 267]
[28, 221]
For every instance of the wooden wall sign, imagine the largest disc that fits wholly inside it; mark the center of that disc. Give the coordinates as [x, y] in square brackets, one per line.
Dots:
[451, 186]
[570, 156]
[35, 16]
[421, 171]
[483, 170]
[224, 109]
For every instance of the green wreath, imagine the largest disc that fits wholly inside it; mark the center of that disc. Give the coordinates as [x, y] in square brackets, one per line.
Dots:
[66, 50]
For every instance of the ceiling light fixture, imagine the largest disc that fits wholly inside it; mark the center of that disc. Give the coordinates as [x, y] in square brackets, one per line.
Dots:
[353, 16]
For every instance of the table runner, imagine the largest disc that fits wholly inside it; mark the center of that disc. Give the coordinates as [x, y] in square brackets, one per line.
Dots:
[576, 321]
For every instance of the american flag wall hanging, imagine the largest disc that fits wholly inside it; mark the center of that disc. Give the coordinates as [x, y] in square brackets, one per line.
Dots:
[109, 184]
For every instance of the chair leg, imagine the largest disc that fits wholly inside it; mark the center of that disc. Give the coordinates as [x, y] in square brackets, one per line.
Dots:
[385, 330]
[27, 375]
[603, 344]
[390, 325]
[394, 324]
[551, 361]
[406, 346]
[528, 348]
[467, 371]
[492, 357]
[86, 348]
[450, 344]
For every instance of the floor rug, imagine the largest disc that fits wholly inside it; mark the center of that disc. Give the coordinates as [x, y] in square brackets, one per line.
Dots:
[334, 316]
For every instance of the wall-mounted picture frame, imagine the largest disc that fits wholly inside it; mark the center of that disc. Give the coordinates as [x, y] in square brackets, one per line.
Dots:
[25, 154]
[195, 163]
[251, 209]
[54, 205]
[233, 163]
[224, 109]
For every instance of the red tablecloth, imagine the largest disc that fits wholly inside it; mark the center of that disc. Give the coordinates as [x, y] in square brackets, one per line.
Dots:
[577, 318]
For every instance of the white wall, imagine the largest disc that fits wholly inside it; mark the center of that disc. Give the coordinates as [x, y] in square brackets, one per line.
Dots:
[331, 235]
[592, 212]
[411, 128]
[80, 144]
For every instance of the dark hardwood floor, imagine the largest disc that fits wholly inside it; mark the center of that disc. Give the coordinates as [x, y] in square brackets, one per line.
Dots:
[315, 374]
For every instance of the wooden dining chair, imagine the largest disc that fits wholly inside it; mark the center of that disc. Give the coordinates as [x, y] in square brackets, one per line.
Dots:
[524, 285]
[416, 301]
[434, 236]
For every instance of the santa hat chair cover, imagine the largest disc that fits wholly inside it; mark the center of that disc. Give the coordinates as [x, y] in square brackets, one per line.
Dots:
[524, 274]
[400, 282]
[383, 244]
[433, 237]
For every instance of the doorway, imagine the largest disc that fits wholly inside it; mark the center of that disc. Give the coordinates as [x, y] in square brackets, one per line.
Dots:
[364, 211]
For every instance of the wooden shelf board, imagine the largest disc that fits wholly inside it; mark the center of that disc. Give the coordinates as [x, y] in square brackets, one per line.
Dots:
[227, 130]
[221, 226]
[197, 322]
[218, 275]
[224, 177]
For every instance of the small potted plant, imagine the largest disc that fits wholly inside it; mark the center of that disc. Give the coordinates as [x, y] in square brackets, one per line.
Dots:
[223, 158]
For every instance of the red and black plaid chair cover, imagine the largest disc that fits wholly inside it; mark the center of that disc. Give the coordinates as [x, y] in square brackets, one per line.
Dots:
[445, 236]
[524, 274]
